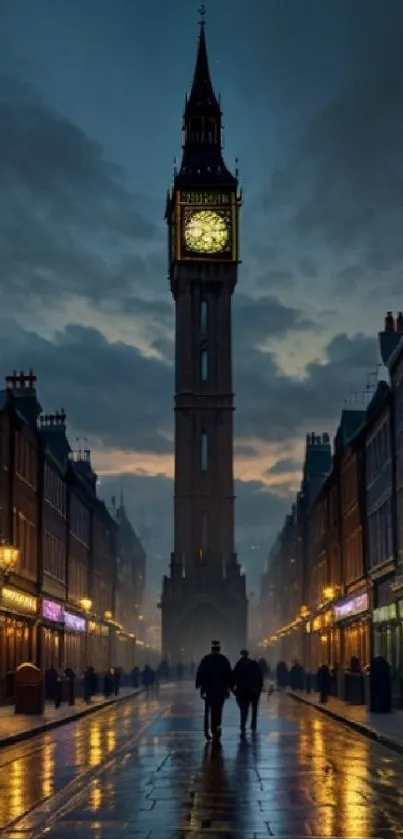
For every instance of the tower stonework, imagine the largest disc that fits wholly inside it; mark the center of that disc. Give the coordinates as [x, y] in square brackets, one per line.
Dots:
[204, 595]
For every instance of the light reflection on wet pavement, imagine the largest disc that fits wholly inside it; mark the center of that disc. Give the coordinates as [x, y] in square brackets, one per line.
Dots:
[141, 771]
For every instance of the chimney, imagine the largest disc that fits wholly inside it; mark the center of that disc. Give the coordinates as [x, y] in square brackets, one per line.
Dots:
[399, 322]
[389, 322]
[22, 387]
[56, 421]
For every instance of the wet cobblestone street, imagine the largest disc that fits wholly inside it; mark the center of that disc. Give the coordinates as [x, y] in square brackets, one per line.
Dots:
[141, 770]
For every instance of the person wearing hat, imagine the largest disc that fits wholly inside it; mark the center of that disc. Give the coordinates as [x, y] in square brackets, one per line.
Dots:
[247, 686]
[214, 680]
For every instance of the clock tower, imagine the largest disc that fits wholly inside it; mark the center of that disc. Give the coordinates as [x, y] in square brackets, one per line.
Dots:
[204, 595]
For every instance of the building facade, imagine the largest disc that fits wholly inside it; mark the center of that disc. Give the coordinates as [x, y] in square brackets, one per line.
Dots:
[352, 598]
[204, 596]
[129, 591]
[58, 596]
[53, 537]
[19, 602]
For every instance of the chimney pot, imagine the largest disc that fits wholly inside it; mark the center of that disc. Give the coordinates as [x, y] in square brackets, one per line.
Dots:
[399, 322]
[389, 322]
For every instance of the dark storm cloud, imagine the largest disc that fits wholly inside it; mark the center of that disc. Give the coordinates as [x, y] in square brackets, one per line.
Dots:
[117, 396]
[66, 216]
[275, 279]
[110, 391]
[277, 407]
[348, 279]
[284, 466]
[261, 318]
[308, 269]
[345, 183]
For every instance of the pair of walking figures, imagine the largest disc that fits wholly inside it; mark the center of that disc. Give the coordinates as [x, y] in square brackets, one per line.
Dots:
[216, 680]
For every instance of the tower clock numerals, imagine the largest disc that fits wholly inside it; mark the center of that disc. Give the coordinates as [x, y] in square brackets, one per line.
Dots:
[206, 232]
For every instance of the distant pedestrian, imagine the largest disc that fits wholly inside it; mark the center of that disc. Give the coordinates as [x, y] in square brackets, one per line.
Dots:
[324, 683]
[59, 688]
[71, 676]
[116, 680]
[214, 680]
[247, 686]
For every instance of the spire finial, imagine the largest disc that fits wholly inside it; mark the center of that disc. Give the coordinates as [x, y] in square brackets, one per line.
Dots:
[202, 13]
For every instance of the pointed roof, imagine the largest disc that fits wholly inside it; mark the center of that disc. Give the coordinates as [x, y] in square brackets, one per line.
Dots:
[202, 96]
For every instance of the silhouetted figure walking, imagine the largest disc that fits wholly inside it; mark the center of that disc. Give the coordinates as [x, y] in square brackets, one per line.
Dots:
[247, 686]
[214, 679]
[324, 683]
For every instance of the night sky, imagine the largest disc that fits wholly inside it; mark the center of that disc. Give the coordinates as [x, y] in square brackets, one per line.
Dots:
[91, 99]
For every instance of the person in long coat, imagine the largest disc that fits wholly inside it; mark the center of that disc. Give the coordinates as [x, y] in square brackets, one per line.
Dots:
[214, 680]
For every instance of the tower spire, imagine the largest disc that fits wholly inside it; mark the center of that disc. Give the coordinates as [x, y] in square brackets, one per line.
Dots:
[202, 99]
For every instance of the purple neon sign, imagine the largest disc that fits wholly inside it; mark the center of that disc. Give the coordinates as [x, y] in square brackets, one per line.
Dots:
[74, 622]
[352, 606]
[52, 611]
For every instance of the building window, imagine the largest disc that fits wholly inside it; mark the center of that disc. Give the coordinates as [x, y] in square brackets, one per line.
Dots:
[203, 317]
[204, 452]
[203, 535]
[203, 365]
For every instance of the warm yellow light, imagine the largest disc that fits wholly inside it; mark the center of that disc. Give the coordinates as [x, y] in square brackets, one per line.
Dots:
[304, 611]
[9, 557]
[108, 615]
[328, 593]
[86, 603]
[323, 639]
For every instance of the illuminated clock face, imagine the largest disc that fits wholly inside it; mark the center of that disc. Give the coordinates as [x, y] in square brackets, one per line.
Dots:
[206, 232]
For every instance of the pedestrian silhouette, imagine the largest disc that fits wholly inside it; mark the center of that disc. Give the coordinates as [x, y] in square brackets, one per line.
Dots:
[214, 680]
[247, 686]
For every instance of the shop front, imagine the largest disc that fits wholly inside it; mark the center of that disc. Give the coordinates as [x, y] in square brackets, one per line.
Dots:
[18, 635]
[75, 628]
[52, 632]
[98, 646]
[352, 618]
[386, 624]
[319, 646]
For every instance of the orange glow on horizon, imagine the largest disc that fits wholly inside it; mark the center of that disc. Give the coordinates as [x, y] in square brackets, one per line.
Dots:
[254, 467]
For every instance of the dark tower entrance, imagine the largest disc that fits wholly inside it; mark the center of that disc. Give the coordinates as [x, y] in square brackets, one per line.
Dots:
[204, 596]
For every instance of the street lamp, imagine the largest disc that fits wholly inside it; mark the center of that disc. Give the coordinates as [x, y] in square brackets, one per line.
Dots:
[86, 603]
[9, 556]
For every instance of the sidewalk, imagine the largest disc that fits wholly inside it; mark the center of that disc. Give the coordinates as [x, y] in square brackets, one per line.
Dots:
[386, 729]
[17, 727]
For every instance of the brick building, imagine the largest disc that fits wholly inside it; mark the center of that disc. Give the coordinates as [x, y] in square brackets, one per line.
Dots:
[19, 524]
[58, 602]
[351, 526]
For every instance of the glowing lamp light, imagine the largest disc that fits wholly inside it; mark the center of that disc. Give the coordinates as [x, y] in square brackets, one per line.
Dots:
[86, 603]
[328, 593]
[108, 615]
[9, 557]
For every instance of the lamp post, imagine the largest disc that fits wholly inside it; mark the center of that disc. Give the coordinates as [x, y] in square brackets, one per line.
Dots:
[86, 605]
[9, 556]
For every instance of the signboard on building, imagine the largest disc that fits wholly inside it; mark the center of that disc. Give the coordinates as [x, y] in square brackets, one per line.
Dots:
[351, 606]
[74, 623]
[52, 611]
[17, 601]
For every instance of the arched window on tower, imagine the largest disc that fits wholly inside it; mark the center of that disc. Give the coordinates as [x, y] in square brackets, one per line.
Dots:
[204, 451]
[203, 318]
[203, 365]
